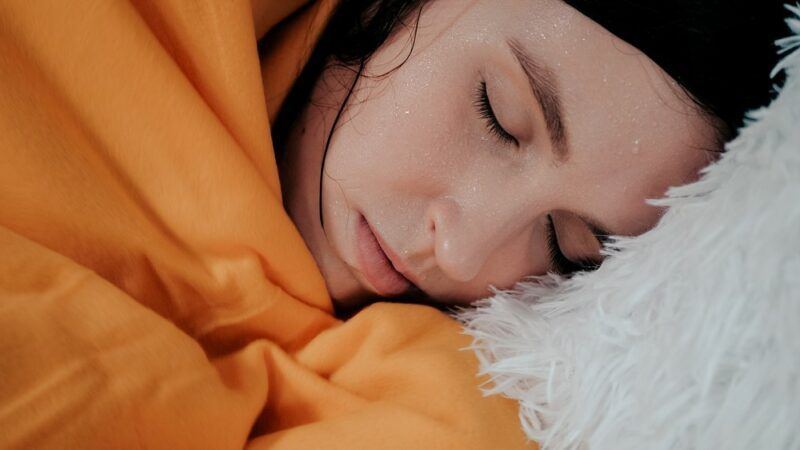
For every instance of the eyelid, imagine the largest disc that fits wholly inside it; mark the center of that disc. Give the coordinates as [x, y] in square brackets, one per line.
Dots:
[486, 111]
[558, 261]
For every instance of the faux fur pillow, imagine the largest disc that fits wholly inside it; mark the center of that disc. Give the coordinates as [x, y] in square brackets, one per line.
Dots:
[687, 336]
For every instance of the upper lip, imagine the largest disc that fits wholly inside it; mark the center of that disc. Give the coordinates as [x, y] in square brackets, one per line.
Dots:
[396, 261]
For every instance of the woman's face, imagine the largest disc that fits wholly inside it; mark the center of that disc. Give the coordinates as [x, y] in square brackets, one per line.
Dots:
[587, 129]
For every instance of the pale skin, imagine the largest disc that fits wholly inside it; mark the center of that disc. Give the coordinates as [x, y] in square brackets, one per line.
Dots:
[598, 130]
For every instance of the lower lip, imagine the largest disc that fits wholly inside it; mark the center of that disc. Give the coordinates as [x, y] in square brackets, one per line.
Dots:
[375, 265]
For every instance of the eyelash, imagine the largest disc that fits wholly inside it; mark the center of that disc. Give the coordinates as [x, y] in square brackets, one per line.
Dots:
[560, 263]
[485, 110]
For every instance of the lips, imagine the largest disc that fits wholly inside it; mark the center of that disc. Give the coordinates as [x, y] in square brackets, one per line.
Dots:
[376, 266]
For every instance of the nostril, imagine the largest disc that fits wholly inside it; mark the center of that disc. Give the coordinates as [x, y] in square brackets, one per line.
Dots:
[431, 224]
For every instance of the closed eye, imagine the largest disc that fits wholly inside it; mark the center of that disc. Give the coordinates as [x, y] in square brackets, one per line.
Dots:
[559, 262]
[485, 110]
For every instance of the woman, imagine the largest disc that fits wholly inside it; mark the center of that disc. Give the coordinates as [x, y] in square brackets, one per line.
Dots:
[155, 294]
[481, 143]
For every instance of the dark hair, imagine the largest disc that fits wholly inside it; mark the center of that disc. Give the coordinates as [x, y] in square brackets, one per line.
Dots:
[356, 29]
[720, 51]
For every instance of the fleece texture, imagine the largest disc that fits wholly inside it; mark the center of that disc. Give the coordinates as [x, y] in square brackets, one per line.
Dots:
[688, 335]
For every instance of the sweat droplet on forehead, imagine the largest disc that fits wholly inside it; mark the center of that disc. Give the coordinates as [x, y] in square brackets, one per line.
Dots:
[553, 22]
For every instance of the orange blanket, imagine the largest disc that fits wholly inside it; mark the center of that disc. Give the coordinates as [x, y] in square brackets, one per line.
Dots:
[153, 292]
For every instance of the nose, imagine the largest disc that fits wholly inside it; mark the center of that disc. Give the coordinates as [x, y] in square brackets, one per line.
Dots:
[463, 241]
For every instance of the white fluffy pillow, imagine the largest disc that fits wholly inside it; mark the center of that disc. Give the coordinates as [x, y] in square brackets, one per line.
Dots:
[687, 336]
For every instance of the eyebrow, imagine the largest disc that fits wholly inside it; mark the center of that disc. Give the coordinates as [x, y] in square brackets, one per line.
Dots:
[543, 84]
[544, 87]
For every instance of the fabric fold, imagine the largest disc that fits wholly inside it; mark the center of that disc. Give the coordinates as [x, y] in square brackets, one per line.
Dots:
[153, 291]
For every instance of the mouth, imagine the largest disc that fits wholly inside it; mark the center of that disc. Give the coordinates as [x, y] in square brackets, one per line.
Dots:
[376, 266]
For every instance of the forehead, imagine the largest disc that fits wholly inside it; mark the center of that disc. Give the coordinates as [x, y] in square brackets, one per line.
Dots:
[595, 69]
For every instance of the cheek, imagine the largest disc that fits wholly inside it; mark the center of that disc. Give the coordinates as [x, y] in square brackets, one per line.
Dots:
[386, 160]
[406, 134]
[400, 139]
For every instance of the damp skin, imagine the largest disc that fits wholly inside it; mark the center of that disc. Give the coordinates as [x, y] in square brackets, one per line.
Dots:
[463, 209]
